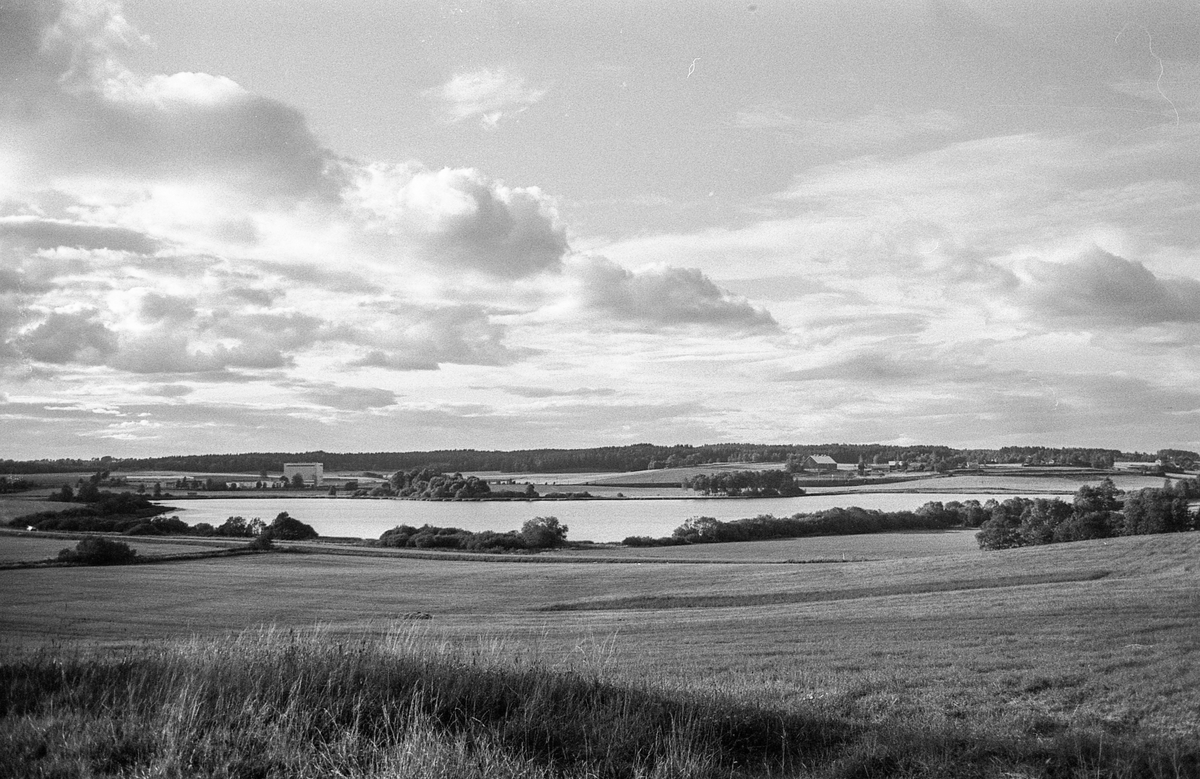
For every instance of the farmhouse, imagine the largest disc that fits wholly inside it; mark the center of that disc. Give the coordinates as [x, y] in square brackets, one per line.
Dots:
[820, 462]
[312, 473]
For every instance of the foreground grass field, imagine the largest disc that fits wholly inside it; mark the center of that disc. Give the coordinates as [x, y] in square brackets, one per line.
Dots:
[1072, 660]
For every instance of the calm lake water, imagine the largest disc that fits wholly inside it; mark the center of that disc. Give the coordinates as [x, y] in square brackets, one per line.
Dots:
[587, 520]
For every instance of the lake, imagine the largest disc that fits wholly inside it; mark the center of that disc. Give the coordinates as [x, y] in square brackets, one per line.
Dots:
[587, 520]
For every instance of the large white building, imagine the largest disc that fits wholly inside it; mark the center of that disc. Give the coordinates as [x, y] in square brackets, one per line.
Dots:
[312, 473]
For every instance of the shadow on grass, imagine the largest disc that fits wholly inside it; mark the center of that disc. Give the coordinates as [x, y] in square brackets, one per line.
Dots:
[302, 707]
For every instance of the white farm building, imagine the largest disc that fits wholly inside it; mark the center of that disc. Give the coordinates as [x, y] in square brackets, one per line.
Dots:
[312, 473]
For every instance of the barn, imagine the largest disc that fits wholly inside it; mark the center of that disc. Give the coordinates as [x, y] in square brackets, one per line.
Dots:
[312, 473]
[820, 462]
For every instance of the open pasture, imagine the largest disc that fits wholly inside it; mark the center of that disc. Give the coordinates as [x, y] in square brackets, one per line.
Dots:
[350, 593]
[1008, 482]
[672, 476]
[851, 548]
[13, 507]
[21, 547]
[1077, 652]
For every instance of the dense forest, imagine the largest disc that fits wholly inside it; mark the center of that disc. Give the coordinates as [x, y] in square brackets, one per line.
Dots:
[634, 457]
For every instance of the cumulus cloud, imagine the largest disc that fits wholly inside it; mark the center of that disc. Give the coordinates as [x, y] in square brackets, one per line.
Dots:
[461, 217]
[485, 94]
[69, 338]
[166, 352]
[77, 110]
[156, 307]
[660, 296]
[1101, 287]
[422, 338]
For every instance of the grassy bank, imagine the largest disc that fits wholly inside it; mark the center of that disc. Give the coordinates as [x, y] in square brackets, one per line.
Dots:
[414, 704]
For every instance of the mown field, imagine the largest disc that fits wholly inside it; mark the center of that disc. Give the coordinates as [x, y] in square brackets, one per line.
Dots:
[1069, 660]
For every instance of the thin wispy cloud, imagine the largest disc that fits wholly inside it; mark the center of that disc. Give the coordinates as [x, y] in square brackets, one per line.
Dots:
[486, 95]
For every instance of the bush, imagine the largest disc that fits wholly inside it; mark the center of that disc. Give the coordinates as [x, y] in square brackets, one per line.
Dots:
[263, 542]
[98, 551]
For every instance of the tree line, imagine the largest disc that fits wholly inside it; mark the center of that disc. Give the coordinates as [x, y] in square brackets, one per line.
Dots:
[829, 522]
[1096, 511]
[136, 515]
[1101, 511]
[633, 457]
[746, 484]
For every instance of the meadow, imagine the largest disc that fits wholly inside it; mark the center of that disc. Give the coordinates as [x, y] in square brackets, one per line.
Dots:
[18, 547]
[1071, 660]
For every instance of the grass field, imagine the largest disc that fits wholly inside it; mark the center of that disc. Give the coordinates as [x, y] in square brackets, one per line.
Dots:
[1006, 482]
[13, 507]
[25, 547]
[874, 546]
[1070, 660]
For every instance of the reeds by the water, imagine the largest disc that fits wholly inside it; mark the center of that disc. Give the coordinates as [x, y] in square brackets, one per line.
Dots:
[411, 703]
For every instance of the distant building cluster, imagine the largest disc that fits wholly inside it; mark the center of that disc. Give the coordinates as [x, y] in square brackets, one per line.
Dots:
[1138, 467]
[312, 473]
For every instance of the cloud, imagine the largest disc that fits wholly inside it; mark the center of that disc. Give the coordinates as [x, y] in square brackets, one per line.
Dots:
[76, 110]
[872, 368]
[422, 338]
[874, 130]
[660, 296]
[351, 398]
[168, 390]
[486, 94]
[167, 352]
[549, 392]
[462, 218]
[69, 338]
[50, 233]
[1100, 287]
[156, 307]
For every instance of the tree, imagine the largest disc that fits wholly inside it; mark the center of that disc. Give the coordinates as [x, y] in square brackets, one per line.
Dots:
[287, 528]
[543, 533]
[297, 482]
[1102, 497]
[698, 530]
[1088, 525]
[1040, 520]
[1002, 531]
[1151, 511]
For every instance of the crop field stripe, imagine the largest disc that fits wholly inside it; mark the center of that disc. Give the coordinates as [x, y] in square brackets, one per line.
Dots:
[782, 598]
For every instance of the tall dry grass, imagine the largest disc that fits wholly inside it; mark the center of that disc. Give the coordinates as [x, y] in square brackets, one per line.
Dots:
[414, 703]
[282, 703]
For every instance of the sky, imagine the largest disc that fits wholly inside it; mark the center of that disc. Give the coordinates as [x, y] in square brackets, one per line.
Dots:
[370, 225]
